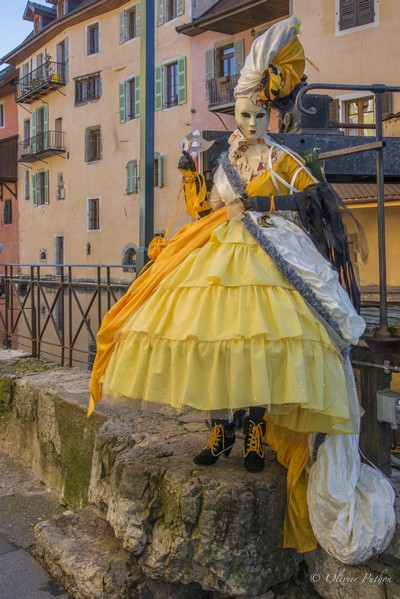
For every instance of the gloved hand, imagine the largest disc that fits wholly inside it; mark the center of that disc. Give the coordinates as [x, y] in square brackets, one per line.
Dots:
[257, 203]
[186, 162]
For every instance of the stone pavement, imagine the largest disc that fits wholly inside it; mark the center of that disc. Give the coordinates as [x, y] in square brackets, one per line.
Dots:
[24, 501]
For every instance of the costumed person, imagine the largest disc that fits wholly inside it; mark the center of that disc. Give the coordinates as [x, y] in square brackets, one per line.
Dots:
[243, 309]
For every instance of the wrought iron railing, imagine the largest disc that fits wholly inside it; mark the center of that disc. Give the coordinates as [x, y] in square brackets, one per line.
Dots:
[220, 90]
[34, 147]
[50, 311]
[49, 72]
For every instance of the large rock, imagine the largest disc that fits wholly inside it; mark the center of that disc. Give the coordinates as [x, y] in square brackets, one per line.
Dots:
[221, 526]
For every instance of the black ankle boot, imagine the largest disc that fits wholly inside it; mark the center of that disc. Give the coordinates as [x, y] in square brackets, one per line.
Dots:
[253, 448]
[220, 442]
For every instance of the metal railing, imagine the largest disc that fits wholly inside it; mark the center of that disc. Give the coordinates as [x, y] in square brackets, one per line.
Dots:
[45, 142]
[50, 312]
[48, 73]
[220, 90]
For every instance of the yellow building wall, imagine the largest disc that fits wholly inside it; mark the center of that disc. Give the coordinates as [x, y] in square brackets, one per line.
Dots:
[120, 144]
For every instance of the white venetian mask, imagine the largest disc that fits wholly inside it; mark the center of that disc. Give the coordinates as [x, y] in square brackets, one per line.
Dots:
[252, 120]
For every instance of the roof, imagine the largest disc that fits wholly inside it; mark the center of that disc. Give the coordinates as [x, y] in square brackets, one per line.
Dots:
[33, 8]
[234, 16]
[86, 9]
[366, 193]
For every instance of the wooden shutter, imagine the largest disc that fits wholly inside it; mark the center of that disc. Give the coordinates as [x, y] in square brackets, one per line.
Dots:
[122, 103]
[34, 190]
[182, 95]
[365, 13]
[137, 95]
[33, 131]
[347, 14]
[131, 177]
[334, 110]
[137, 15]
[158, 100]
[122, 27]
[160, 12]
[386, 104]
[239, 55]
[210, 65]
[180, 7]
[46, 187]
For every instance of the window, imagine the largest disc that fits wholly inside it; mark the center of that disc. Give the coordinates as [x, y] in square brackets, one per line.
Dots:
[356, 13]
[158, 171]
[62, 54]
[40, 188]
[2, 120]
[27, 187]
[360, 111]
[60, 187]
[129, 99]
[87, 88]
[93, 214]
[92, 39]
[27, 132]
[166, 10]
[129, 23]
[7, 212]
[225, 61]
[93, 144]
[170, 84]
[132, 177]
[129, 258]
[61, 9]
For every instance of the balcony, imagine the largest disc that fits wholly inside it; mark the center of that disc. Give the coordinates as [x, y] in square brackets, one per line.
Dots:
[41, 146]
[40, 82]
[220, 94]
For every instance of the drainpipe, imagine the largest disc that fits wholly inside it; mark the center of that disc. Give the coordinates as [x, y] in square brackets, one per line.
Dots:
[146, 168]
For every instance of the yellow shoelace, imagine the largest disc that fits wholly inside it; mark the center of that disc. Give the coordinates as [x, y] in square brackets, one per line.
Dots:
[216, 431]
[254, 442]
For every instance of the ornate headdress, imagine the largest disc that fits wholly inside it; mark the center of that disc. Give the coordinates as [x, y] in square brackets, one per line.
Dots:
[274, 67]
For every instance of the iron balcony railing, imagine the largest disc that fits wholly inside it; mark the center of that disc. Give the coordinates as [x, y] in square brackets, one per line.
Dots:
[55, 310]
[41, 81]
[41, 145]
[220, 93]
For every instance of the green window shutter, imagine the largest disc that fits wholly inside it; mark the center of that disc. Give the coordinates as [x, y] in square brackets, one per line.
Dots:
[158, 101]
[34, 190]
[46, 187]
[46, 126]
[180, 7]
[137, 95]
[122, 27]
[137, 15]
[182, 96]
[160, 12]
[131, 177]
[33, 131]
[122, 103]
[239, 55]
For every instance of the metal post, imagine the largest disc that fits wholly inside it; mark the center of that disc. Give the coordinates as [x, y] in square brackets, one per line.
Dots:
[146, 169]
[383, 330]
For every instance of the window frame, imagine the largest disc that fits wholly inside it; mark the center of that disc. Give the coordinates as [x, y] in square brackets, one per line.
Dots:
[89, 81]
[7, 212]
[355, 28]
[132, 177]
[161, 101]
[2, 115]
[89, 200]
[88, 155]
[41, 199]
[352, 96]
[95, 26]
[164, 13]
[27, 186]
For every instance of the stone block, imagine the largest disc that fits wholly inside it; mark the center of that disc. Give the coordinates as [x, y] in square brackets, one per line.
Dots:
[220, 527]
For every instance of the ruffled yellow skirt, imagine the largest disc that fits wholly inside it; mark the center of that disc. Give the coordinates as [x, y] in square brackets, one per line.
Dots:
[226, 330]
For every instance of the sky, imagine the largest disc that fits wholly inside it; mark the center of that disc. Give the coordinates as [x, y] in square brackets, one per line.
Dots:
[13, 29]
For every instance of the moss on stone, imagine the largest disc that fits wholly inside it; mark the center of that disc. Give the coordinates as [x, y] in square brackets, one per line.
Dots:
[77, 435]
[26, 366]
[6, 390]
